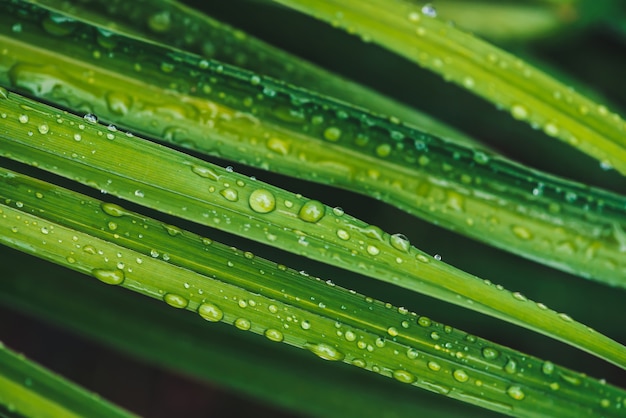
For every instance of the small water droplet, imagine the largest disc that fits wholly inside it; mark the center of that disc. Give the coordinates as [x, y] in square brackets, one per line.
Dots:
[412, 353]
[392, 331]
[522, 232]
[312, 211]
[139, 193]
[43, 128]
[490, 353]
[332, 134]
[113, 277]
[437, 257]
[429, 10]
[551, 129]
[23, 118]
[510, 366]
[91, 118]
[338, 211]
[349, 335]
[230, 194]
[262, 201]
[516, 393]
[519, 112]
[547, 368]
[343, 234]
[424, 321]
[519, 296]
[305, 324]
[175, 301]
[373, 250]
[434, 366]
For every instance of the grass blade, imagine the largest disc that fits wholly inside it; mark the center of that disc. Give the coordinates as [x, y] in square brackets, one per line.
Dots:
[29, 390]
[210, 195]
[261, 297]
[487, 71]
[226, 111]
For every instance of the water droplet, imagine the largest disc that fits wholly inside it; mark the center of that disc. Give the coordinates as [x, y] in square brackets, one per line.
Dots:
[312, 211]
[480, 157]
[175, 301]
[343, 234]
[332, 134]
[516, 393]
[519, 296]
[139, 193]
[23, 118]
[43, 128]
[274, 335]
[403, 376]
[262, 201]
[113, 210]
[400, 242]
[77, 137]
[392, 331]
[429, 10]
[338, 211]
[437, 257]
[205, 172]
[460, 375]
[160, 22]
[279, 146]
[230, 194]
[324, 351]
[305, 324]
[510, 366]
[210, 312]
[91, 118]
[373, 250]
[424, 321]
[522, 232]
[551, 129]
[565, 317]
[490, 353]
[349, 335]
[359, 363]
[547, 367]
[434, 366]
[242, 324]
[519, 112]
[412, 353]
[113, 277]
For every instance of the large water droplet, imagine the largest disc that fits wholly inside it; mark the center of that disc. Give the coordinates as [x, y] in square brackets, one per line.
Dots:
[312, 211]
[205, 172]
[460, 375]
[210, 312]
[400, 242]
[403, 376]
[323, 351]
[242, 324]
[274, 335]
[113, 277]
[262, 201]
[112, 209]
[175, 301]
[230, 194]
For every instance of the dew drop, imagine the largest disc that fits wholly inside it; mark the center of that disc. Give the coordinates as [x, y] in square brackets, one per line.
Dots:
[312, 211]
[343, 234]
[262, 201]
[43, 128]
[516, 393]
[460, 375]
[522, 232]
[400, 242]
[305, 324]
[519, 112]
[424, 321]
[242, 324]
[205, 172]
[23, 118]
[112, 209]
[332, 134]
[434, 366]
[349, 335]
[323, 351]
[392, 331]
[429, 10]
[230, 194]
[279, 146]
[175, 301]
[274, 335]
[373, 250]
[551, 129]
[113, 277]
[91, 118]
[412, 353]
[510, 366]
[490, 353]
[403, 376]
[547, 368]
[519, 296]
[338, 211]
[437, 257]
[210, 312]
